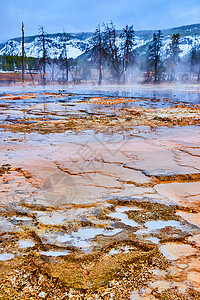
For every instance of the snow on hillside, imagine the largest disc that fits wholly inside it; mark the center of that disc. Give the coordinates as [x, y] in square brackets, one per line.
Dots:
[186, 44]
[54, 48]
[78, 43]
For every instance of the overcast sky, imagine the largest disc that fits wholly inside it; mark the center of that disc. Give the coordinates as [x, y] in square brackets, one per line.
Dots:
[84, 15]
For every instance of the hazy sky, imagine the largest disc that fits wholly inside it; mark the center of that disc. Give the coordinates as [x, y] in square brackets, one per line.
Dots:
[84, 15]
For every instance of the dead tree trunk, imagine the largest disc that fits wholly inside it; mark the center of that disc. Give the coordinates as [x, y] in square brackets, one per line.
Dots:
[43, 60]
[66, 65]
[100, 57]
[23, 73]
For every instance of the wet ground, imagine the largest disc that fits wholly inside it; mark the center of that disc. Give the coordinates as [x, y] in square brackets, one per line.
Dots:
[100, 193]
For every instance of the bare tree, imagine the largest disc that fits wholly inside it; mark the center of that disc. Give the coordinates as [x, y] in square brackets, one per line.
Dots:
[112, 50]
[97, 50]
[43, 42]
[23, 53]
[64, 56]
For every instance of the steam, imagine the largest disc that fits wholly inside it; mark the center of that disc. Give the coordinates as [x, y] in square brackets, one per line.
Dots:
[112, 57]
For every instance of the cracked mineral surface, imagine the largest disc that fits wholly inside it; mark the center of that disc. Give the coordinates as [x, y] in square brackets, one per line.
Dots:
[99, 194]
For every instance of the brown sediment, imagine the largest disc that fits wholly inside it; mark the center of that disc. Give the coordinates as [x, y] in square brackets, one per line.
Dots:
[174, 294]
[178, 177]
[95, 123]
[100, 270]
[109, 101]
[153, 211]
[156, 211]
[4, 169]
[88, 275]
[119, 119]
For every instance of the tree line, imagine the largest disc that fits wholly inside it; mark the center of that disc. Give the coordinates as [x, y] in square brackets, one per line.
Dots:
[111, 55]
[157, 64]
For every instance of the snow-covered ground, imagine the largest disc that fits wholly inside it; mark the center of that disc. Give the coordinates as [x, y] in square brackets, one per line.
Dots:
[54, 48]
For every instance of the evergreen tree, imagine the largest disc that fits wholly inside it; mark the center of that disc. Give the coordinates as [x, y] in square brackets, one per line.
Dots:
[172, 53]
[154, 54]
[174, 47]
[195, 61]
[128, 43]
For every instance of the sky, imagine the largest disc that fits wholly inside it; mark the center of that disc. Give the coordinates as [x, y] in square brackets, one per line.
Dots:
[85, 15]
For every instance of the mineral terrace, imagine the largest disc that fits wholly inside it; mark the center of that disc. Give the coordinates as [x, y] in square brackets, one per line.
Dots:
[99, 195]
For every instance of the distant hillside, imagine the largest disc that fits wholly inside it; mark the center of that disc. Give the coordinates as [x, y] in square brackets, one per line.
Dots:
[77, 43]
